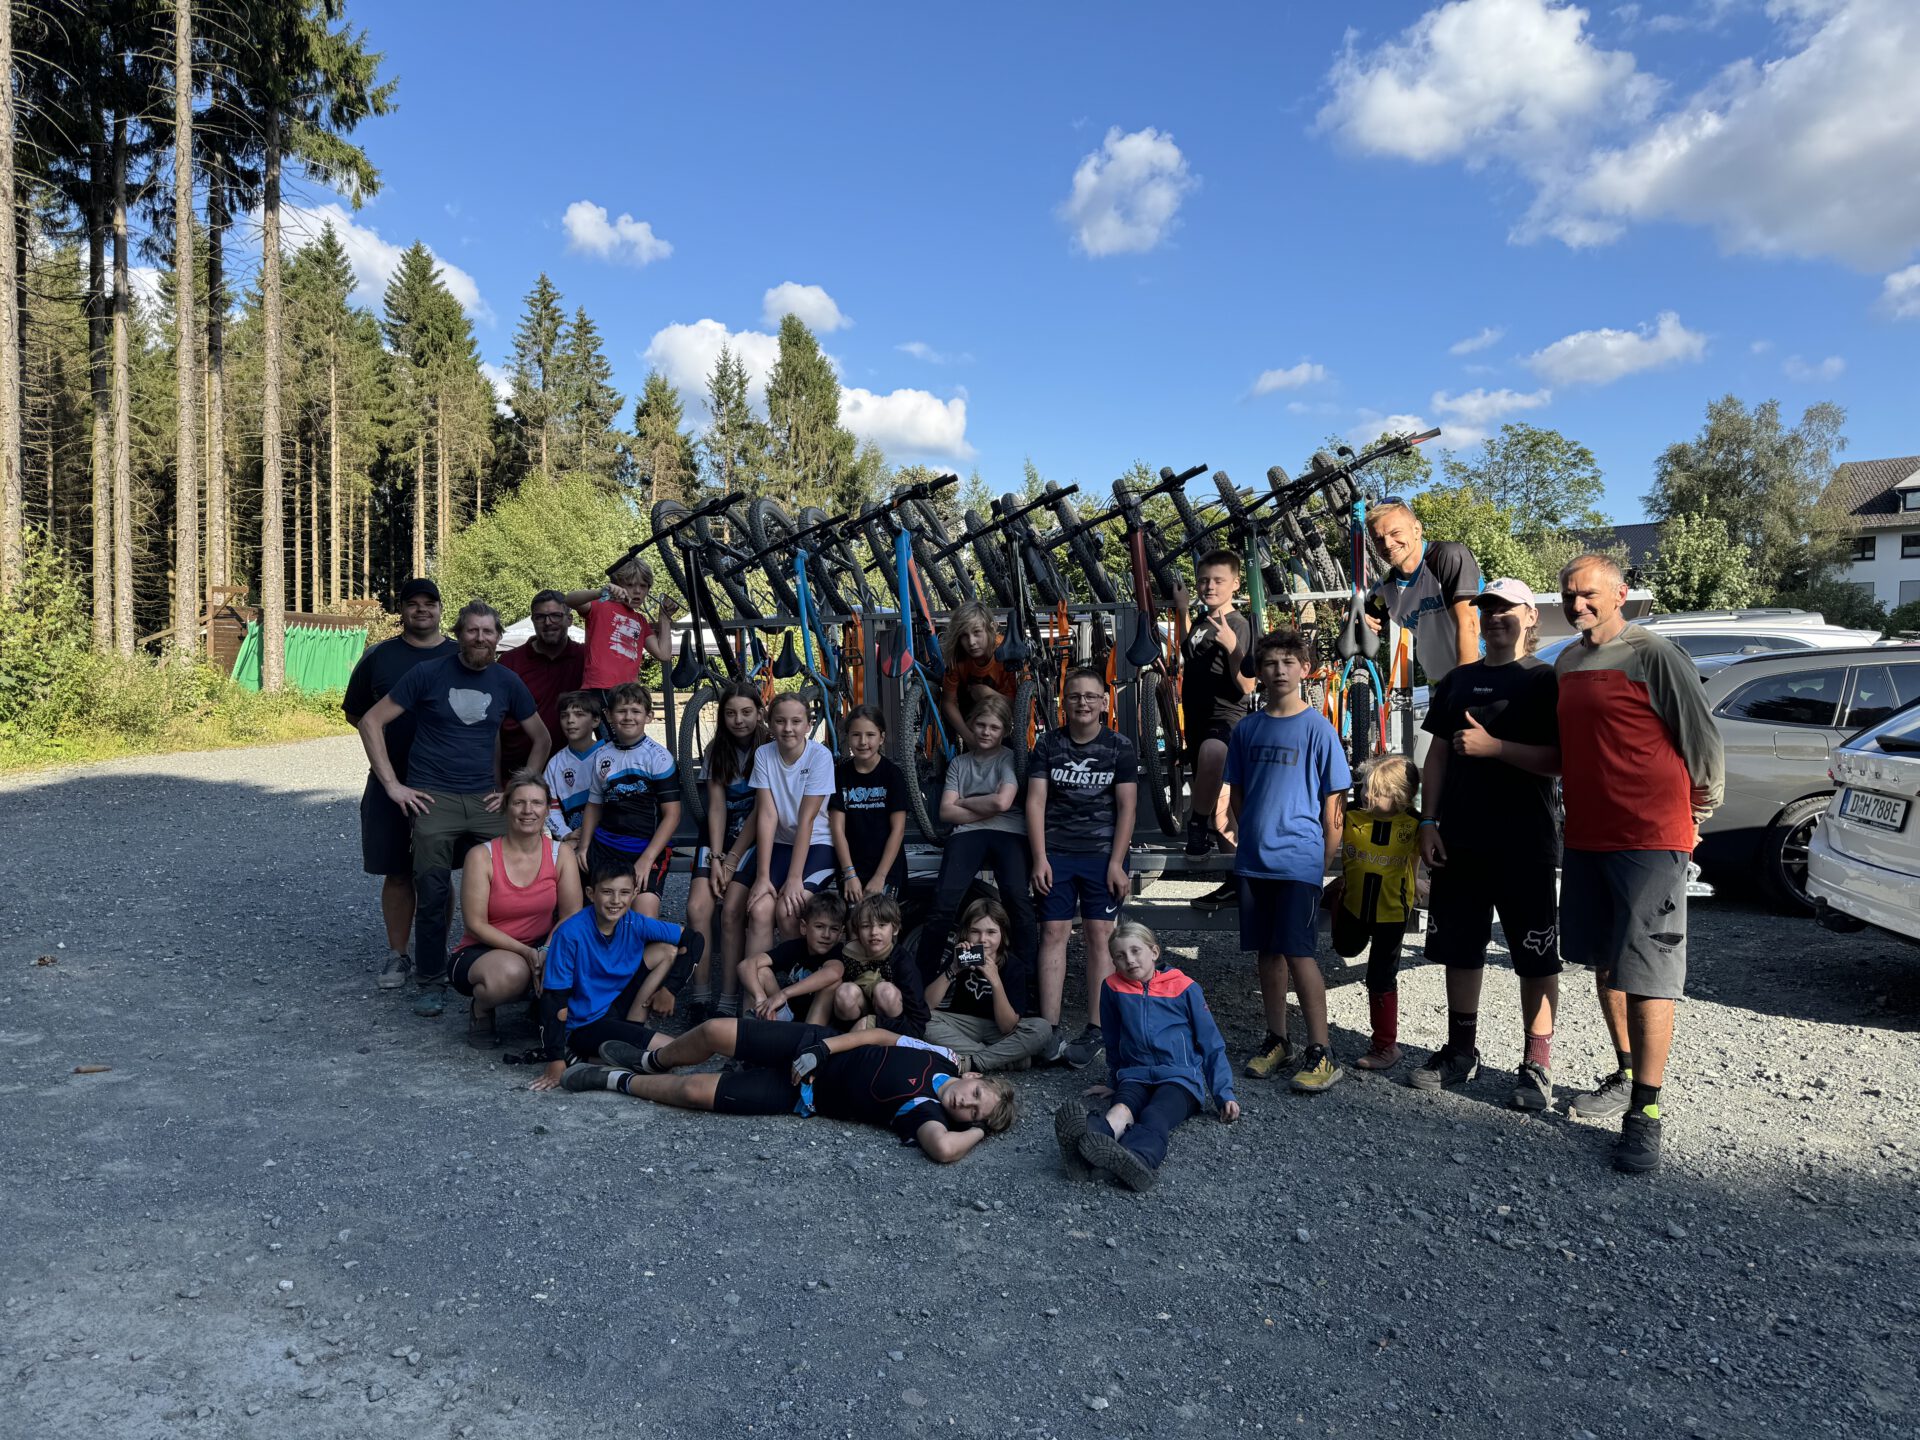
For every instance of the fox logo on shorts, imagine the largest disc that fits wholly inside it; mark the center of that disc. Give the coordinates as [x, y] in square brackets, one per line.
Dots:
[1540, 942]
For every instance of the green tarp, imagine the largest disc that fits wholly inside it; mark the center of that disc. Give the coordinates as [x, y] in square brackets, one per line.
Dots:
[317, 658]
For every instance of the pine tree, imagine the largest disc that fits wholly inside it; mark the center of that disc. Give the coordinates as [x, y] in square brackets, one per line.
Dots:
[810, 453]
[588, 405]
[663, 453]
[12, 522]
[536, 348]
[735, 444]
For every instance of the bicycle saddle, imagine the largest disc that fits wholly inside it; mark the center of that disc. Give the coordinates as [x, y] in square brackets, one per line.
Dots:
[1144, 649]
[686, 669]
[788, 665]
[1014, 651]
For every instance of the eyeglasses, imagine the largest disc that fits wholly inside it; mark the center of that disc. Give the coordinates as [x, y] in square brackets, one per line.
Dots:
[1085, 699]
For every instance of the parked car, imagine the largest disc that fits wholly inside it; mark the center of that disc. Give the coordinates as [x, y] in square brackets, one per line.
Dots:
[1863, 866]
[1781, 717]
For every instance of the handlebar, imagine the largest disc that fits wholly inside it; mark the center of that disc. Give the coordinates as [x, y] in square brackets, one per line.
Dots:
[712, 507]
[924, 490]
[1169, 480]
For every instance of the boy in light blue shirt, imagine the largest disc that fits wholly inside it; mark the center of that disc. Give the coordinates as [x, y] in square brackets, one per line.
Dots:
[570, 771]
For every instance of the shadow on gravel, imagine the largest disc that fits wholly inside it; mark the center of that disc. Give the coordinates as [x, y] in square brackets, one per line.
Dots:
[1754, 959]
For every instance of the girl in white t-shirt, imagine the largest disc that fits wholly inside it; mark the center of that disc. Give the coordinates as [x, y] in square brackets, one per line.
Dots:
[793, 845]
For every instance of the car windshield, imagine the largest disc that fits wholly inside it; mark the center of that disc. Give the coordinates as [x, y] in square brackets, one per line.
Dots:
[1898, 736]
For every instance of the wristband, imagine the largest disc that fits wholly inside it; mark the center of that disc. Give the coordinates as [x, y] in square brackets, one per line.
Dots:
[1425, 823]
[849, 873]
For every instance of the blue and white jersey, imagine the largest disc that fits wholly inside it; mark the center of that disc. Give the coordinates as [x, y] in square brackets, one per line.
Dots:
[569, 777]
[630, 783]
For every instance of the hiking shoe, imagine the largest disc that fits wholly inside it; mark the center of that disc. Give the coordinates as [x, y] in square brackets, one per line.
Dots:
[624, 1056]
[1317, 1071]
[1056, 1050]
[432, 999]
[1379, 1057]
[1088, 1046]
[1604, 1101]
[1532, 1087]
[394, 973]
[483, 1033]
[1069, 1128]
[1103, 1152]
[1199, 840]
[1445, 1069]
[1274, 1052]
[1639, 1149]
[587, 1077]
[1222, 895]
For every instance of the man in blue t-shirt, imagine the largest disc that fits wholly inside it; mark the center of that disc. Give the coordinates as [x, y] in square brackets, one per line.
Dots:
[1290, 783]
[453, 786]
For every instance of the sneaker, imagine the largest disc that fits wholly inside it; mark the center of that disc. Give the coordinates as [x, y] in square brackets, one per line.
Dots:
[1445, 1069]
[1056, 1050]
[1274, 1052]
[1606, 1100]
[1199, 840]
[1103, 1152]
[394, 973]
[1317, 1071]
[1379, 1057]
[624, 1056]
[1532, 1087]
[586, 1077]
[1639, 1147]
[1069, 1127]
[432, 999]
[1222, 895]
[483, 1031]
[1086, 1048]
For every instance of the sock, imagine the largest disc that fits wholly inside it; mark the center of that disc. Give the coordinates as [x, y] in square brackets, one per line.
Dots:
[617, 1080]
[1385, 1012]
[1462, 1031]
[1645, 1100]
[650, 1064]
[1625, 1059]
[1540, 1050]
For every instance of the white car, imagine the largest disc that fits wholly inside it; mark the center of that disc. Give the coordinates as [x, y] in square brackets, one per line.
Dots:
[1863, 859]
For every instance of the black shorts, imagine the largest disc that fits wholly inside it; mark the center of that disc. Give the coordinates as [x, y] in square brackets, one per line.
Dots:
[654, 882]
[763, 1083]
[386, 835]
[1467, 891]
[1214, 722]
[460, 966]
[1625, 914]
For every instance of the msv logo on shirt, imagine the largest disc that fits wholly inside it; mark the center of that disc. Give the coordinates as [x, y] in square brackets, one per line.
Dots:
[866, 797]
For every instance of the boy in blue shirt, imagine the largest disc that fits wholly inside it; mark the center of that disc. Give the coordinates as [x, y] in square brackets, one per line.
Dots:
[1290, 782]
[604, 964]
[570, 771]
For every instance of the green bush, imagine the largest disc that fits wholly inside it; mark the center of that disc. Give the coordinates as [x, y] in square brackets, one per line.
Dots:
[1905, 620]
[560, 535]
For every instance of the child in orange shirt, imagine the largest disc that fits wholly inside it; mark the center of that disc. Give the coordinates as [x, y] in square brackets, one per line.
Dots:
[974, 669]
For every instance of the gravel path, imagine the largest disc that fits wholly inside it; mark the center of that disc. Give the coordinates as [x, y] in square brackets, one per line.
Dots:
[292, 1208]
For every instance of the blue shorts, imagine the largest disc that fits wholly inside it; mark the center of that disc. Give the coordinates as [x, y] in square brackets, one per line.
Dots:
[1079, 883]
[1277, 917]
[817, 868]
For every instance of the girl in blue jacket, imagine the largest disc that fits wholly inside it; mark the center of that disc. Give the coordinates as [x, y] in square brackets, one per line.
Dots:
[1165, 1056]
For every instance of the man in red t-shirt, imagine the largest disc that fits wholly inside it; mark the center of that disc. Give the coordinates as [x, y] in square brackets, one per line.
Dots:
[1641, 767]
[552, 664]
[618, 633]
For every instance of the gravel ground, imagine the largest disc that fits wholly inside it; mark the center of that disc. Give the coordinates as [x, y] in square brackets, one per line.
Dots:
[292, 1208]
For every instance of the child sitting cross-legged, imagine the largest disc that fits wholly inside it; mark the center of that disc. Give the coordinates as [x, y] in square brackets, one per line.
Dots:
[870, 992]
[983, 1001]
[796, 979]
[1165, 1055]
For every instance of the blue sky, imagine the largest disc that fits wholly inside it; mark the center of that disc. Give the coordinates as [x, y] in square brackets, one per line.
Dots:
[1101, 227]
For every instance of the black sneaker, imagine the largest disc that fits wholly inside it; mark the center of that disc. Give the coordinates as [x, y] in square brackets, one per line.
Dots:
[1445, 1069]
[1639, 1149]
[1086, 1048]
[1069, 1127]
[1532, 1087]
[1103, 1152]
[624, 1056]
[1199, 840]
[1056, 1047]
[1605, 1100]
[1225, 894]
[586, 1077]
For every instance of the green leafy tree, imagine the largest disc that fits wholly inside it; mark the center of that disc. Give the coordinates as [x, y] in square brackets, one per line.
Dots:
[531, 372]
[1545, 483]
[810, 453]
[1700, 567]
[1762, 480]
[663, 452]
[1840, 603]
[559, 535]
[1905, 621]
[1458, 512]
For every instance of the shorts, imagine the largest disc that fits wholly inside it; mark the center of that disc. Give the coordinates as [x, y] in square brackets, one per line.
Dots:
[460, 966]
[1465, 894]
[452, 826]
[386, 835]
[1079, 883]
[1277, 917]
[868, 981]
[1213, 723]
[817, 868]
[1624, 912]
[654, 882]
[762, 1082]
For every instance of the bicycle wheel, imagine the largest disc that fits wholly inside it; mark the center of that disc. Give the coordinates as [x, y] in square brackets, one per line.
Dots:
[1085, 548]
[1032, 717]
[953, 565]
[699, 721]
[1360, 703]
[1183, 507]
[665, 513]
[824, 573]
[992, 560]
[772, 529]
[878, 533]
[1161, 757]
[922, 758]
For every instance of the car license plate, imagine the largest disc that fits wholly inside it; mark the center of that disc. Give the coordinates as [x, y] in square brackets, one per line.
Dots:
[1882, 812]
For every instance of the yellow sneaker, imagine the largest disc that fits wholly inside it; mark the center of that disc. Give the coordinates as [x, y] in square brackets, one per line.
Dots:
[1317, 1071]
[1274, 1052]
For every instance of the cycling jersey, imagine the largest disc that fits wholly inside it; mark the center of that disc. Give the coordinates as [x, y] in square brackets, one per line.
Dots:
[630, 783]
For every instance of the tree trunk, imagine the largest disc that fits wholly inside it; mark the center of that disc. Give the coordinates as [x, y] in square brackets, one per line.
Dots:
[219, 561]
[333, 471]
[545, 474]
[12, 533]
[273, 584]
[443, 482]
[366, 546]
[186, 490]
[420, 505]
[317, 590]
[299, 527]
[123, 636]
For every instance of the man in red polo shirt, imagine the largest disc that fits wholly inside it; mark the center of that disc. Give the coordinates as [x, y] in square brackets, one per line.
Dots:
[551, 664]
[1640, 768]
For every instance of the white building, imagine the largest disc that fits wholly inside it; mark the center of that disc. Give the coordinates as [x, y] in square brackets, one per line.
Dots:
[1876, 503]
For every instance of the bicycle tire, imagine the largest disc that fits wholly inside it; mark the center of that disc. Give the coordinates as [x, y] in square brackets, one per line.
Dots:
[992, 560]
[954, 562]
[1189, 517]
[1160, 755]
[878, 534]
[772, 529]
[823, 573]
[1360, 703]
[925, 773]
[664, 514]
[1032, 718]
[699, 722]
[1085, 547]
[924, 543]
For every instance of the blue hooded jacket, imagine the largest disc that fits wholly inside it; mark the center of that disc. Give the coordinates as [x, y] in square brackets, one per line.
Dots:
[1162, 1033]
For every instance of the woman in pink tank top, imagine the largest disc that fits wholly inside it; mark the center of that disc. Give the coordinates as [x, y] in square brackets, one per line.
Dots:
[515, 891]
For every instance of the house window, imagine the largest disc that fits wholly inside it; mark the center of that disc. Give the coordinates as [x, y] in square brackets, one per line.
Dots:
[1909, 591]
[1910, 547]
[1910, 499]
[1862, 548]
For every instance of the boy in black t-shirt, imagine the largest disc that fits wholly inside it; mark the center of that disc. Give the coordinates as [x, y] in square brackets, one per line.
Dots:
[1215, 681]
[801, 972]
[874, 1077]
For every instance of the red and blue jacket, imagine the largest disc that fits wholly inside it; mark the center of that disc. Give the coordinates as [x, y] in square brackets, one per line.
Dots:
[1162, 1033]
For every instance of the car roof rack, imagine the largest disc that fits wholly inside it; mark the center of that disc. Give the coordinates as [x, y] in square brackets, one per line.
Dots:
[1786, 613]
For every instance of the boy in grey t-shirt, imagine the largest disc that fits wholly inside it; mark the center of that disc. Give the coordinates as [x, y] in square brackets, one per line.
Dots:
[976, 776]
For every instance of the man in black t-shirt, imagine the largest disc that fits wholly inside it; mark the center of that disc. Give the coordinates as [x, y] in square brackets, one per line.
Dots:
[872, 1077]
[1489, 832]
[386, 834]
[1215, 680]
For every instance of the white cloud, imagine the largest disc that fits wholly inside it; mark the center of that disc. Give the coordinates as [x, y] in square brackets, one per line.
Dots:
[1760, 347]
[1802, 371]
[920, 350]
[1291, 378]
[626, 239]
[501, 382]
[1900, 293]
[373, 258]
[145, 282]
[809, 303]
[907, 422]
[1478, 79]
[1473, 343]
[685, 354]
[1479, 408]
[1127, 194]
[1599, 357]
[1371, 425]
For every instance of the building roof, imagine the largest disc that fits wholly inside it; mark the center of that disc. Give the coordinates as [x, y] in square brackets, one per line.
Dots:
[1864, 495]
[1639, 540]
